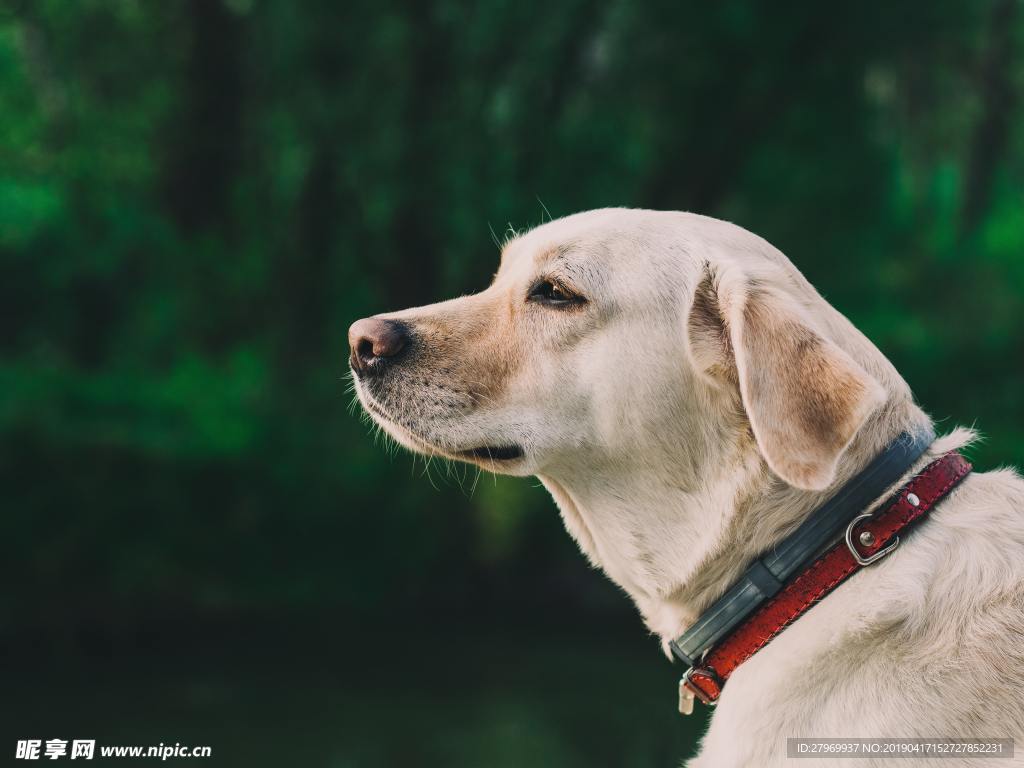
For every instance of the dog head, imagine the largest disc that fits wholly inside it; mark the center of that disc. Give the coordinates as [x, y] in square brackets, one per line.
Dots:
[615, 336]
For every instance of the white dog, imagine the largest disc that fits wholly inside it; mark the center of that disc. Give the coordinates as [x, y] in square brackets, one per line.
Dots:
[688, 399]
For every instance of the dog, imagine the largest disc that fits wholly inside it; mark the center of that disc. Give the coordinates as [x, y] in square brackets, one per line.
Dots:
[688, 399]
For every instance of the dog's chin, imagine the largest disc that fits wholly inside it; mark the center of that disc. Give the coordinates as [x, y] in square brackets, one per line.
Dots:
[505, 457]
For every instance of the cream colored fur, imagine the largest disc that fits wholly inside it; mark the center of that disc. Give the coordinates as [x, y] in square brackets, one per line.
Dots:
[695, 409]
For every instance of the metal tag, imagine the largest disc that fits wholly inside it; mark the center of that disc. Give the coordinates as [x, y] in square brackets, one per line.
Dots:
[685, 698]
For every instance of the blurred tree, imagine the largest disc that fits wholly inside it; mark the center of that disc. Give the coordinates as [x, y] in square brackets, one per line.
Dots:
[197, 198]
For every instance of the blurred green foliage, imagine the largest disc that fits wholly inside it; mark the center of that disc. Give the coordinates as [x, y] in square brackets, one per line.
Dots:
[197, 197]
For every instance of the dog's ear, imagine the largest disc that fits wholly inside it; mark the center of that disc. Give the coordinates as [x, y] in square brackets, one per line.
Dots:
[805, 398]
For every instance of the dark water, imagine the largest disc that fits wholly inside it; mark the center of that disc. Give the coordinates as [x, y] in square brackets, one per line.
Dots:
[333, 700]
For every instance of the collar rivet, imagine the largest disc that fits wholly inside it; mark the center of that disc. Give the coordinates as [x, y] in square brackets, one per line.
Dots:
[867, 538]
[913, 500]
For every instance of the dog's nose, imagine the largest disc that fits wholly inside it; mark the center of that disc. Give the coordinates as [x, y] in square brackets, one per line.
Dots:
[374, 340]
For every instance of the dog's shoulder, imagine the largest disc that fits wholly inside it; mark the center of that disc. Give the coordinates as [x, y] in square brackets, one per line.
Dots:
[986, 511]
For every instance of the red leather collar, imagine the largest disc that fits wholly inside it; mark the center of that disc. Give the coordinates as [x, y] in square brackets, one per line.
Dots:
[868, 538]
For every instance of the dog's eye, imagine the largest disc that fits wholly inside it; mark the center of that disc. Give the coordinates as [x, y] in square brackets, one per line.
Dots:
[553, 295]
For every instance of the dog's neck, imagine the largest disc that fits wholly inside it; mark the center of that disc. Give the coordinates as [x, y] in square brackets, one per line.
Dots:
[675, 540]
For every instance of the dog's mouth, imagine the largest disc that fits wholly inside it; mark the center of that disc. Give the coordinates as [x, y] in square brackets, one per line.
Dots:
[494, 453]
[485, 453]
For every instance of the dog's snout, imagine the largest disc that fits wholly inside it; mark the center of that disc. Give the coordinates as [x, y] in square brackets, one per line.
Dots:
[374, 341]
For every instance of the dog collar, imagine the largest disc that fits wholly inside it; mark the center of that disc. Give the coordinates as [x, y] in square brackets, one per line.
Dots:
[783, 584]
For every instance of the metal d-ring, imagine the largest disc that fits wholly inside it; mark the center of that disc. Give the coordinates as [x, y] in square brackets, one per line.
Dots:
[853, 549]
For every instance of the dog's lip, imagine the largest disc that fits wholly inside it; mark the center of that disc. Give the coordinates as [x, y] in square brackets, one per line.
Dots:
[494, 452]
[376, 408]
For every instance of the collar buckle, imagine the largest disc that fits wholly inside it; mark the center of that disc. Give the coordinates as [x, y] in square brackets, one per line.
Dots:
[690, 689]
[866, 538]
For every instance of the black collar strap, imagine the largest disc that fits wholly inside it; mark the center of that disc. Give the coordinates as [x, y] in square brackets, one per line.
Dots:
[767, 575]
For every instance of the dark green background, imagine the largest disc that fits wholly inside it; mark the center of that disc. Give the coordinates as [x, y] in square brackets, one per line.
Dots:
[204, 544]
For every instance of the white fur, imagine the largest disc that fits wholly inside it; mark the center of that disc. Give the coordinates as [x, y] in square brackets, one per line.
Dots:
[676, 450]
